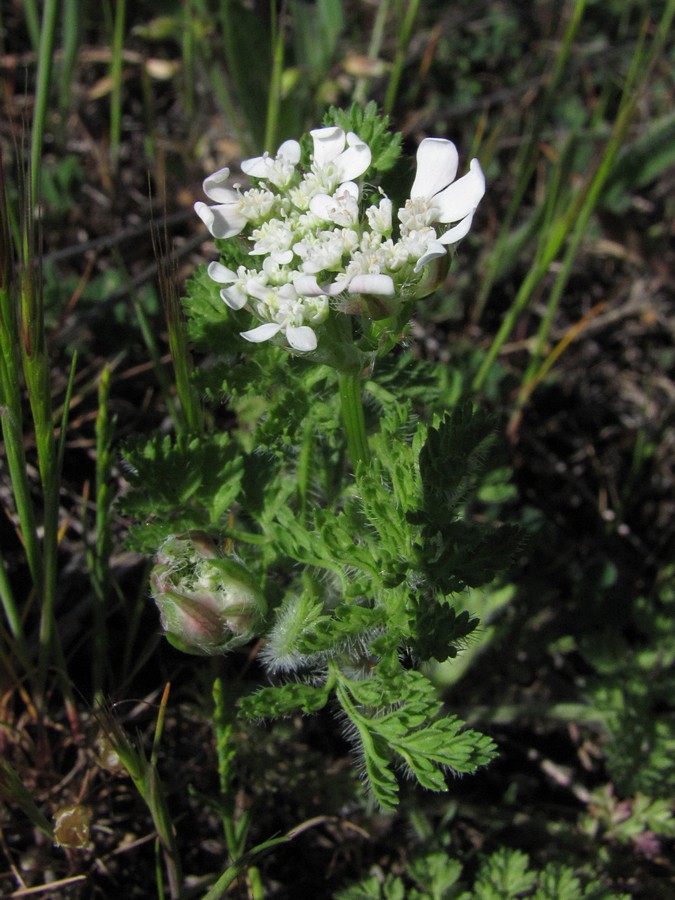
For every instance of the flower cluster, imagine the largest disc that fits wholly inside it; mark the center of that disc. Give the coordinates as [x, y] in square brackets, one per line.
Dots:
[314, 235]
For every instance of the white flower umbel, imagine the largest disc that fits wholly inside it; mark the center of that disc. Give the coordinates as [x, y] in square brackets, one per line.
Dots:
[315, 240]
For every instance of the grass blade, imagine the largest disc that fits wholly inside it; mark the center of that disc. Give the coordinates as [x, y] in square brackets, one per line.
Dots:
[45, 53]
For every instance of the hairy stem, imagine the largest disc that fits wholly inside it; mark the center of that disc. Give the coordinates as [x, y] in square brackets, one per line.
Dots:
[353, 418]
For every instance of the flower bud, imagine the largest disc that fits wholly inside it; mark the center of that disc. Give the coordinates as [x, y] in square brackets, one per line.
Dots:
[207, 603]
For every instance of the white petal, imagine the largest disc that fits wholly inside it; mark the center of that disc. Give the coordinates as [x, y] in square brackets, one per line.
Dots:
[433, 251]
[321, 206]
[258, 290]
[234, 297]
[349, 187]
[379, 285]
[214, 187]
[256, 166]
[218, 272]
[283, 257]
[290, 151]
[458, 231]
[328, 143]
[337, 287]
[437, 162]
[222, 221]
[353, 161]
[261, 333]
[302, 338]
[308, 286]
[462, 197]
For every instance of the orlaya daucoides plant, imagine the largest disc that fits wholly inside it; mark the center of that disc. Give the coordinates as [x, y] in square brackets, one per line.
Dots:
[323, 518]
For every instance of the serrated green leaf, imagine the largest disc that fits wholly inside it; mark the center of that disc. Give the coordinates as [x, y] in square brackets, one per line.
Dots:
[181, 485]
[371, 127]
[346, 623]
[410, 733]
[436, 872]
[469, 554]
[438, 628]
[558, 883]
[368, 889]
[454, 454]
[282, 701]
[504, 875]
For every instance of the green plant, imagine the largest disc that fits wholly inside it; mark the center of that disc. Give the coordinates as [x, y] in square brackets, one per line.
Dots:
[503, 875]
[339, 531]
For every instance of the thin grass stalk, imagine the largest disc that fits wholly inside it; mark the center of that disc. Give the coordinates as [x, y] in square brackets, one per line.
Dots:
[61, 447]
[36, 372]
[190, 408]
[151, 345]
[642, 63]
[134, 659]
[32, 15]
[144, 774]
[218, 81]
[66, 687]
[156, 801]
[374, 47]
[45, 54]
[11, 415]
[526, 162]
[188, 61]
[156, 159]
[155, 356]
[575, 219]
[116, 80]
[274, 95]
[37, 379]
[12, 788]
[220, 85]
[405, 33]
[69, 44]
[99, 555]
[550, 249]
[232, 873]
[159, 871]
[13, 618]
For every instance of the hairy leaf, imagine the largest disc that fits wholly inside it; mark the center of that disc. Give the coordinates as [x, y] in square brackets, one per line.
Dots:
[398, 723]
[282, 701]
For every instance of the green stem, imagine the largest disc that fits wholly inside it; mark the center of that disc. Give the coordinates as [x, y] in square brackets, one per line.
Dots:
[527, 161]
[274, 96]
[405, 32]
[116, 80]
[374, 48]
[353, 418]
[13, 617]
[45, 54]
